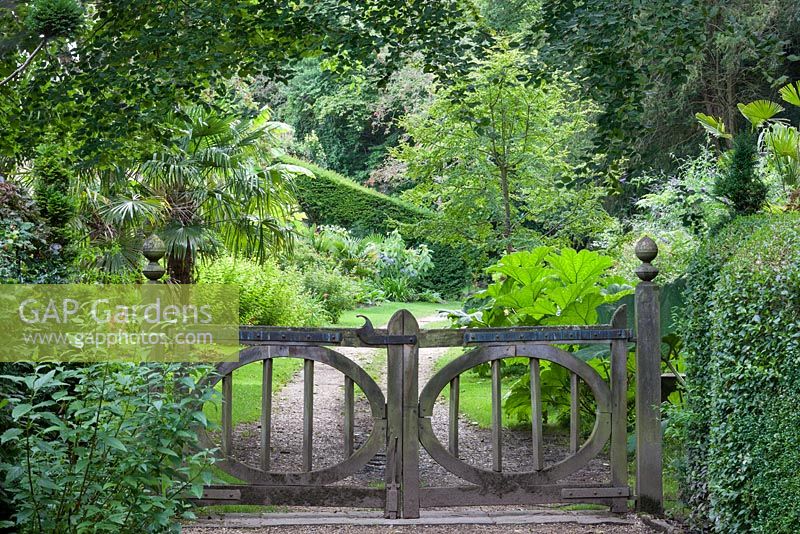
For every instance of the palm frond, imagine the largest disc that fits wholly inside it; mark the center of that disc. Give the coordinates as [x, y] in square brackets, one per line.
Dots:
[791, 93]
[759, 111]
[713, 125]
[783, 141]
[132, 211]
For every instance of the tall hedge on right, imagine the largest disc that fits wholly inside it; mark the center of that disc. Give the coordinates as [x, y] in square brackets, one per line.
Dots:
[742, 332]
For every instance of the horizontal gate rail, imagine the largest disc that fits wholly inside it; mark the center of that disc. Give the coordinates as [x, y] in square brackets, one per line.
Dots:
[541, 494]
[342, 496]
[442, 337]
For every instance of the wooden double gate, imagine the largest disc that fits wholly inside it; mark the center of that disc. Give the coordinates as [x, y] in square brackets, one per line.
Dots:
[402, 416]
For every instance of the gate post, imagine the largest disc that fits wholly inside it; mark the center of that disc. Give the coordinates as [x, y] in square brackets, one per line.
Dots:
[402, 383]
[649, 487]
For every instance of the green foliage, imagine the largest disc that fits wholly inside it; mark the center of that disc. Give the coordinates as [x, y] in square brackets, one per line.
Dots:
[348, 124]
[55, 18]
[493, 154]
[93, 89]
[335, 291]
[329, 198]
[739, 184]
[779, 140]
[648, 64]
[741, 331]
[384, 261]
[105, 447]
[212, 182]
[684, 200]
[545, 287]
[451, 274]
[268, 295]
[53, 179]
[30, 253]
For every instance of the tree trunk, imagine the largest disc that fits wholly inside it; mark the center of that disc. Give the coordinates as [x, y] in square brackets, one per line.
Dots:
[180, 269]
[506, 208]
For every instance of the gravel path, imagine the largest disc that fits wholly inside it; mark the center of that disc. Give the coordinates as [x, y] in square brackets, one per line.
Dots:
[474, 448]
[558, 528]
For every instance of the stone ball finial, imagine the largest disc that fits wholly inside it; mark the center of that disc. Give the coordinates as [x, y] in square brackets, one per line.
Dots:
[646, 250]
[153, 249]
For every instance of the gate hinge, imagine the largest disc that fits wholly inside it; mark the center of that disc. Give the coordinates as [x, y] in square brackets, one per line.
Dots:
[368, 336]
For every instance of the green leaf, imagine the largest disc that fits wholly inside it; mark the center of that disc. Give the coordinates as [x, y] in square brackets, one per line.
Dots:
[713, 125]
[20, 410]
[583, 267]
[115, 443]
[759, 111]
[782, 140]
[200, 417]
[791, 93]
[10, 434]
[44, 380]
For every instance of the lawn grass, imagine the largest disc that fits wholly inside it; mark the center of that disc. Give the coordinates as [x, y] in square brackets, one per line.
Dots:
[380, 314]
[247, 389]
[475, 393]
[221, 509]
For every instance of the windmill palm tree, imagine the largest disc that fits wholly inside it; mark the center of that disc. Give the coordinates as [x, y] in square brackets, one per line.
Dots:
[214, 183]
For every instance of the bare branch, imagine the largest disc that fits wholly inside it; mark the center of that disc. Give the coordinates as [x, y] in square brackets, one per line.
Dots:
[24, 63]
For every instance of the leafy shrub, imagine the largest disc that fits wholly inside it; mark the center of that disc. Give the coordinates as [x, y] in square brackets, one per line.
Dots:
[334, 290]
[385, 261]
[452, 273]
[30, 253]
[685, 200]
[742, 332]
[544, 287]
[739, 182]
[328, 198]
[268, 295]
[104, 448]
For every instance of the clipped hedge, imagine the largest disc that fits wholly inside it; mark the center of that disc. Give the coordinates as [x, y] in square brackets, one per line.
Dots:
[742, 332]
[330, 198]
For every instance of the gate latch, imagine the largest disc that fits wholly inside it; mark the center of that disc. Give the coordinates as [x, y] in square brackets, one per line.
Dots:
[368, 335]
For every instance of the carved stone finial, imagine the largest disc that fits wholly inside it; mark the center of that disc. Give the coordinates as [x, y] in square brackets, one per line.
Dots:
[646, 250]
[153, 249]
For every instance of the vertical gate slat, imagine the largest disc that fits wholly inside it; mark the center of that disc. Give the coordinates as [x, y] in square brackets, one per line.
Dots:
[619, 410]
[308, 413]
[227, 415]
[349, 415]
[537, 426]
[394, 420]
[266, 413]
[452, 442]
[497, 419]
[410, 462]
[574, 413]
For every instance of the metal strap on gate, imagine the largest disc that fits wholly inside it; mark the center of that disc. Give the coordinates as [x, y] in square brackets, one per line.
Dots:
[496, 335]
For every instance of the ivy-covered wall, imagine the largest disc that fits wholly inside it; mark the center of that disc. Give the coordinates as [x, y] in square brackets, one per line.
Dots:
[742, 332]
